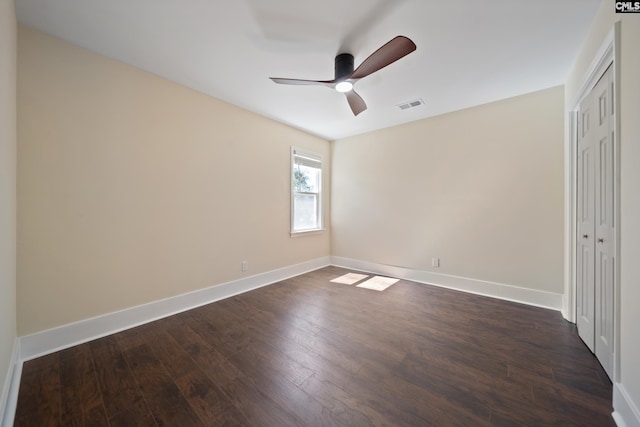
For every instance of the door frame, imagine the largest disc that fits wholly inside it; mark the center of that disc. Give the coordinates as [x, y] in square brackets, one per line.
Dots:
[607, 55]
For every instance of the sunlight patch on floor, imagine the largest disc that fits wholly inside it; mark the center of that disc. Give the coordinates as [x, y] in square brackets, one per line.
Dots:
[378, 283]
[349, 278]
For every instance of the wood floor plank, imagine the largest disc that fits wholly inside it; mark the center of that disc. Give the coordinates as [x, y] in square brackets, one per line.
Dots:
[206, 398]
[576, 406]
[345, 408]
[212, 363]
[117, 384]
[309, 352]
[209, 401]
[136, 415]
[39, 399]
[81, 398]
[165, 400]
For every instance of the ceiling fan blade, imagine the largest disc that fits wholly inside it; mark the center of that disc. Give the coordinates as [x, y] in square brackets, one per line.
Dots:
[303, 82]
[356, 102]
[389, 53]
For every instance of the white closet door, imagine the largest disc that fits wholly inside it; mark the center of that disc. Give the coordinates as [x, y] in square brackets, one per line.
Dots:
[596, 245]
[605, 248]
[586, 226]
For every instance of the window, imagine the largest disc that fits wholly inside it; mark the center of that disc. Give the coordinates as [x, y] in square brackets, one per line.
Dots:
[306, 191]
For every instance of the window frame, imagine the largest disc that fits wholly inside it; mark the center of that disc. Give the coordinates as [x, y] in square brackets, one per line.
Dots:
[315, 157]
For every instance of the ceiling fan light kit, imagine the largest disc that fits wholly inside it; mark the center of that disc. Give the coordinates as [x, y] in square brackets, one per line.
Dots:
[345, 76]
[344, 86]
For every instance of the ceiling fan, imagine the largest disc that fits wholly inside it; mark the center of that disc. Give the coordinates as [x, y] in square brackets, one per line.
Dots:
[346, 76]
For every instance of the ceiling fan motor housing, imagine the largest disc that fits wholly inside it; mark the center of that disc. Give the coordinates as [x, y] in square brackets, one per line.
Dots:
[343, 66]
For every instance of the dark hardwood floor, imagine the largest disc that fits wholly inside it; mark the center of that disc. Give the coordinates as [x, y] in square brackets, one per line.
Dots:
[307, 352]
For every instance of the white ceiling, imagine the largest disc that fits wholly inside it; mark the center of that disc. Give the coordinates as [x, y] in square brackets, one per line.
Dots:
[469, 52]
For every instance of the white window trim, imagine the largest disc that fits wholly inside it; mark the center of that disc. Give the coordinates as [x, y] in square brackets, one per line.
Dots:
[295, 151]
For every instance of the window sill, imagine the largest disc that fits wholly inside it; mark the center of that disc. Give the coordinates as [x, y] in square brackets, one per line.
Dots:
[306, 232]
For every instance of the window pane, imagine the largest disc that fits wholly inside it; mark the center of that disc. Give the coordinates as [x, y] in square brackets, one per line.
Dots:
[306, 188]
[305, 211]
[306, 179]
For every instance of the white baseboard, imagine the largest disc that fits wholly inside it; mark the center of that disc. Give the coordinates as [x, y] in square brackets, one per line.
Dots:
[625, 412]
[9, 397]
[480, 287]
[566, 313]
[51, 340]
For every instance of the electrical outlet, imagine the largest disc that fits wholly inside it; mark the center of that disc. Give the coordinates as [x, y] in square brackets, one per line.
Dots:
[244, 265]
[435, 262]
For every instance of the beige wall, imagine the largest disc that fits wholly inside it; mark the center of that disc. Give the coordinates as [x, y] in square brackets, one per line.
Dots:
[629, 138]
[479, 188]
[7, 190]
[132, 188]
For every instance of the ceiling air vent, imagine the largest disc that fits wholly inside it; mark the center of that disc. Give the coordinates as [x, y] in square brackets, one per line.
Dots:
[411, 104]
